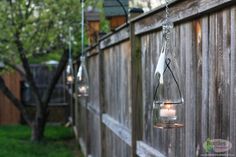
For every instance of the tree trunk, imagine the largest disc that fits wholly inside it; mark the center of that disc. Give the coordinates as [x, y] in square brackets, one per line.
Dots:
[38, 128]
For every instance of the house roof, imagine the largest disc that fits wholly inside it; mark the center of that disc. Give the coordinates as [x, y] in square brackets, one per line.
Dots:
[113, 8]
[92, 15]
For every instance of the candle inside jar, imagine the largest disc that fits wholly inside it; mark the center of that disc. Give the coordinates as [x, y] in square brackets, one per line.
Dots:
[168, 111]
[70, 78]
[83, 89]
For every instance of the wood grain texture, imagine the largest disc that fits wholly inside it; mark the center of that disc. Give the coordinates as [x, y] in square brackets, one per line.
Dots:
[94, 81]
[233, 82]
[118, 129]
[181, 11]
[117, 83]
[136, 89]
[225, 74]
[115, 38]
[117, 94]
[205, 83]
[9, 114]
[94, 129]
[93, 106]
[203, 53]
[144, 150]
[190, 99]
[212, 77]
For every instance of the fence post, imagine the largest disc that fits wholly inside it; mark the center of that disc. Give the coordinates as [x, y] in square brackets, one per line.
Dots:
[136, 83]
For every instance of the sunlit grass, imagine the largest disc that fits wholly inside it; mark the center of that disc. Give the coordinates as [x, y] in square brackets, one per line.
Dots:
[58, 142]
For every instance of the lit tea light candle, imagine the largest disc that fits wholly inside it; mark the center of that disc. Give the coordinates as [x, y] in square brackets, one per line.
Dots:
[83, 89]
[168, 111]
[70, 79]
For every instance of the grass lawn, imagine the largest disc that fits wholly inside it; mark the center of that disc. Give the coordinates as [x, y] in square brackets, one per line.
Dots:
[59, 142]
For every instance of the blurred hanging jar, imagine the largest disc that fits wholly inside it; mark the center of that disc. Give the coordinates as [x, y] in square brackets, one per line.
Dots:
[69, 73]
[82, 79]
[69, 68]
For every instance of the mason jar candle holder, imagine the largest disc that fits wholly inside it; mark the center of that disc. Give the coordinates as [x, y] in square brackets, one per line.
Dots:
[166, 114]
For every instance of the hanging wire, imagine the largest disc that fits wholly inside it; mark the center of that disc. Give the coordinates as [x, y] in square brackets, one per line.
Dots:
[82, 27]
[70, 52]
[167, 9]
[167, 26]
[69, 68]
[167, 63]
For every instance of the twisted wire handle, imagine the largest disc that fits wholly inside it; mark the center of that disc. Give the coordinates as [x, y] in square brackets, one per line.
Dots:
[167, 9]
[167, 26]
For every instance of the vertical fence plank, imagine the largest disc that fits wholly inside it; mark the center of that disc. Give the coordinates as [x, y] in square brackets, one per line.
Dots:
[205, 81]
[198, 48]
[9, 114]
[212, 76]
[146, 87]
[183, 41]
[190, 100]
[102, 103]
[156, 137]
[136, 88]
[218, 73]
[233, 82]
[225, 74]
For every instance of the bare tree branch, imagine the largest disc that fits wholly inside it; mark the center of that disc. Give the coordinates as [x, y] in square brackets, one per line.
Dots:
[28, 72]
[15, 101]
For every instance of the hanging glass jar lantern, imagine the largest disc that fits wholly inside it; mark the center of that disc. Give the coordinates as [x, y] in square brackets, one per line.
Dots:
[82, 79]
[69, 68]
[69, 73]
[167, 109]
[167, 114]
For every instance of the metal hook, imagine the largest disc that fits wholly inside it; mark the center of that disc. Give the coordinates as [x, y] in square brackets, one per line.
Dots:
[123, 7]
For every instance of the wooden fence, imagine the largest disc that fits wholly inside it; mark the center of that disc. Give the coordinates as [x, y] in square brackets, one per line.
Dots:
[59, 105]
[116, 121]
[43, 75]
[9, 114]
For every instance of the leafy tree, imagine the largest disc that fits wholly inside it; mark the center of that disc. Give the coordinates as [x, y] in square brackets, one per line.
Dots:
[35, 28]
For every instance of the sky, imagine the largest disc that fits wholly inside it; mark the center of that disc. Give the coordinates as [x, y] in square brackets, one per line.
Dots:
[147, 5]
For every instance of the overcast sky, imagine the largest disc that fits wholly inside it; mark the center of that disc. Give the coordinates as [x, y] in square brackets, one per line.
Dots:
[146, 4]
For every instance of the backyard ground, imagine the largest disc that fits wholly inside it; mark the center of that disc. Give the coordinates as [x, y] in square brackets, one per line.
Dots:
[59, 142]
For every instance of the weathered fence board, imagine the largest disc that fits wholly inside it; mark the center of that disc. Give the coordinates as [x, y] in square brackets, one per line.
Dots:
[190, 99]
[94, 135]
[117, 83]
[122, 132]
[205, 80]
[9, 114]
[232, 81]
[94, 122]
[182, 11]
[144, 150]
[203, 53]
[115, 39]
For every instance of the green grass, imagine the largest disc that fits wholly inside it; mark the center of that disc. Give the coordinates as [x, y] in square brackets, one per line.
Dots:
[58, 142]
